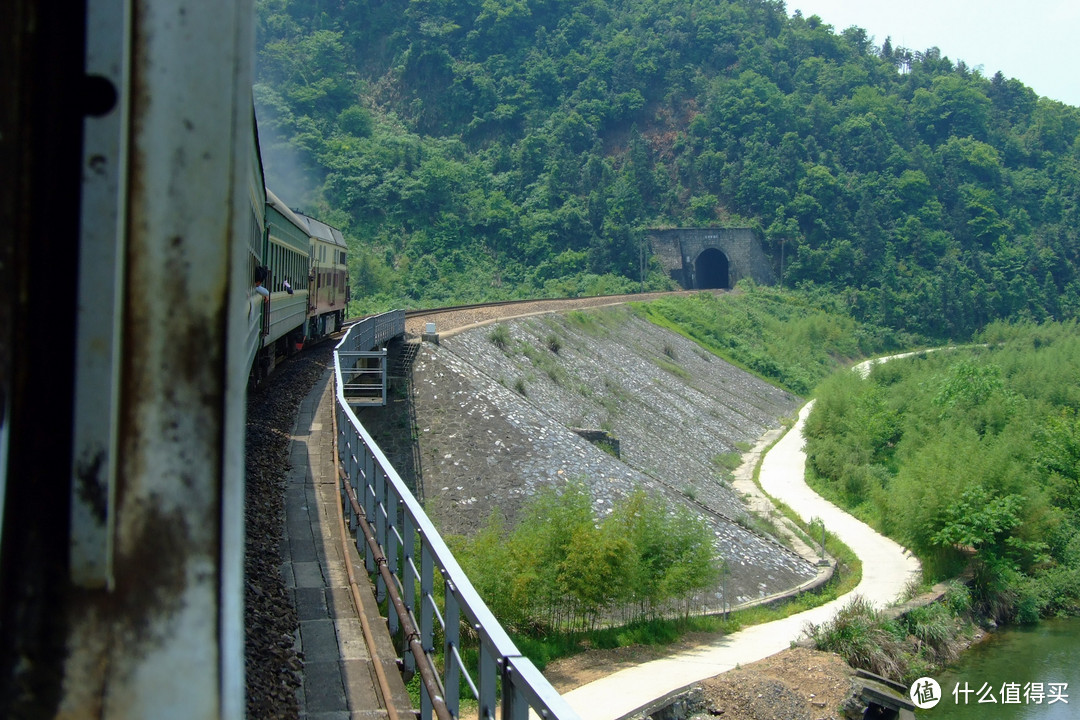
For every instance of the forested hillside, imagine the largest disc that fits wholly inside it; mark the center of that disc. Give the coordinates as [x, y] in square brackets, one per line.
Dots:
[967, 456]
[478, 149]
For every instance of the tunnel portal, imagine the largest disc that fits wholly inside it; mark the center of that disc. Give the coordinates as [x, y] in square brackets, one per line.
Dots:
[711, 270]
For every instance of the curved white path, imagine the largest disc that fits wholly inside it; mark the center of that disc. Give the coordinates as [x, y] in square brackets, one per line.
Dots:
[887, 567]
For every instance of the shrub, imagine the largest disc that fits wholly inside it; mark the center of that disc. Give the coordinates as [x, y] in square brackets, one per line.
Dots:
[934, 629]
[553, 343]
[500, 337]
[858, 634]
[957, 598]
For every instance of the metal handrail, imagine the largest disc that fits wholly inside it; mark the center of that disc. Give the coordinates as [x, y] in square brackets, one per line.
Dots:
[403, 532]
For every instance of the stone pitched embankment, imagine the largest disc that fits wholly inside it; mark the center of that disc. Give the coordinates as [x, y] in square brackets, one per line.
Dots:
[492, 427]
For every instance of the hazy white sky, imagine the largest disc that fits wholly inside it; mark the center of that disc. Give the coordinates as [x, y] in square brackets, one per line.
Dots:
[1034, 41]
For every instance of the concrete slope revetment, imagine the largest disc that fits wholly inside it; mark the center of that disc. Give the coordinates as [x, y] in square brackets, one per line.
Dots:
[887, 568]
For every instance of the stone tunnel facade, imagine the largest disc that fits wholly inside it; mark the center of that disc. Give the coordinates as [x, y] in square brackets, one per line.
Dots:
[705, 258]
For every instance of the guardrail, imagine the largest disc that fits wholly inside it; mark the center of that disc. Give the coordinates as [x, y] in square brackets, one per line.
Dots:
[364, 383]
[403, 534]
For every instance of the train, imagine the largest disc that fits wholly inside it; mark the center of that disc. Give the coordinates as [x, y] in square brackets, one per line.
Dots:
[145, 278]
[302, 263]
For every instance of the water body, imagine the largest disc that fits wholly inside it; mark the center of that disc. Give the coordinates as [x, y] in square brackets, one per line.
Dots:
[1006, 664]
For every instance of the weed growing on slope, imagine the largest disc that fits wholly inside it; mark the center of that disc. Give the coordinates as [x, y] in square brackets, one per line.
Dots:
[545, 362]
[674, 369]
[500, 337]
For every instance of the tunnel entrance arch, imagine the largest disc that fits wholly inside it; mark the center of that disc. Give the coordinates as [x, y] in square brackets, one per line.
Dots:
[711, 270]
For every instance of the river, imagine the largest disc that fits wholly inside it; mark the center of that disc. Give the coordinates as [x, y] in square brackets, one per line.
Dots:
[1009, 666]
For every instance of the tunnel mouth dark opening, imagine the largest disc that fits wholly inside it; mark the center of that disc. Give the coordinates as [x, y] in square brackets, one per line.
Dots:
[711, 270]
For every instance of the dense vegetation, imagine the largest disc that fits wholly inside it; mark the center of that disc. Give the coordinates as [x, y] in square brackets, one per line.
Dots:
[794, 340]
[908, 647]
[561, 568]
[967, 453]
[473, 149]
[642, 566]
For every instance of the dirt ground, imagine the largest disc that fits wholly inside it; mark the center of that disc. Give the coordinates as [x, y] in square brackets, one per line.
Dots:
[796, 684]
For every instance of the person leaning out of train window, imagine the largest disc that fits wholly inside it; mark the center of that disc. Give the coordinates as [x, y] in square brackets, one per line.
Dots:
[260, 280]
[285, 284]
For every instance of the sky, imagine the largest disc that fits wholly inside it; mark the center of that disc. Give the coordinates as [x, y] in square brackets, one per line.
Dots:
[1033, 41]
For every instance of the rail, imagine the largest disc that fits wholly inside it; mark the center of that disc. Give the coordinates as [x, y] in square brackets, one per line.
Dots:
[403, 535]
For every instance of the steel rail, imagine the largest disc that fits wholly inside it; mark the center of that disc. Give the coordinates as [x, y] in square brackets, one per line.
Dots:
[358, 603]
[428, 672]
[506, 303]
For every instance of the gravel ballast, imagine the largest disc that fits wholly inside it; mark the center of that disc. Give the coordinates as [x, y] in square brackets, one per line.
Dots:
[272, 665]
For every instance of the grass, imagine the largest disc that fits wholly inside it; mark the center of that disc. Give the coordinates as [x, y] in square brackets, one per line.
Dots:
[674, 369]
[762, 526]
[545, 362]
[727, 463]
[614, 397]
[600, 322]
[859, 634]
[666, 631]
[500, 337]
[607, 446]
[586, 322]
[781, 337]
[916, 644]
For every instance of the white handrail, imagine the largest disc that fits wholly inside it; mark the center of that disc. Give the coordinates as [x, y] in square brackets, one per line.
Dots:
[403, 530]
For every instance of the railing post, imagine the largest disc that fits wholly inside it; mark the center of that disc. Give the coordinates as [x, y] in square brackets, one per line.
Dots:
[408, 569]
[452, 673]
[392, 551]
[352, 467]
[385, 372]
[486, 681]
[427, 616]
[381, 509]
[347, 459]
[514, 704]
[369, 509]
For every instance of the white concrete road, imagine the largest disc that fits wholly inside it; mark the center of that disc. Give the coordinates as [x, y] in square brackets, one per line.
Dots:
[887, 568]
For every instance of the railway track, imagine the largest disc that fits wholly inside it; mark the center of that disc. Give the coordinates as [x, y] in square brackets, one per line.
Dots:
[453, 318]
[509, 303]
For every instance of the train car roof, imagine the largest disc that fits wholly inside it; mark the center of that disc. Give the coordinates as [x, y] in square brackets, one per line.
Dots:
[275, 202]
[322, 231]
